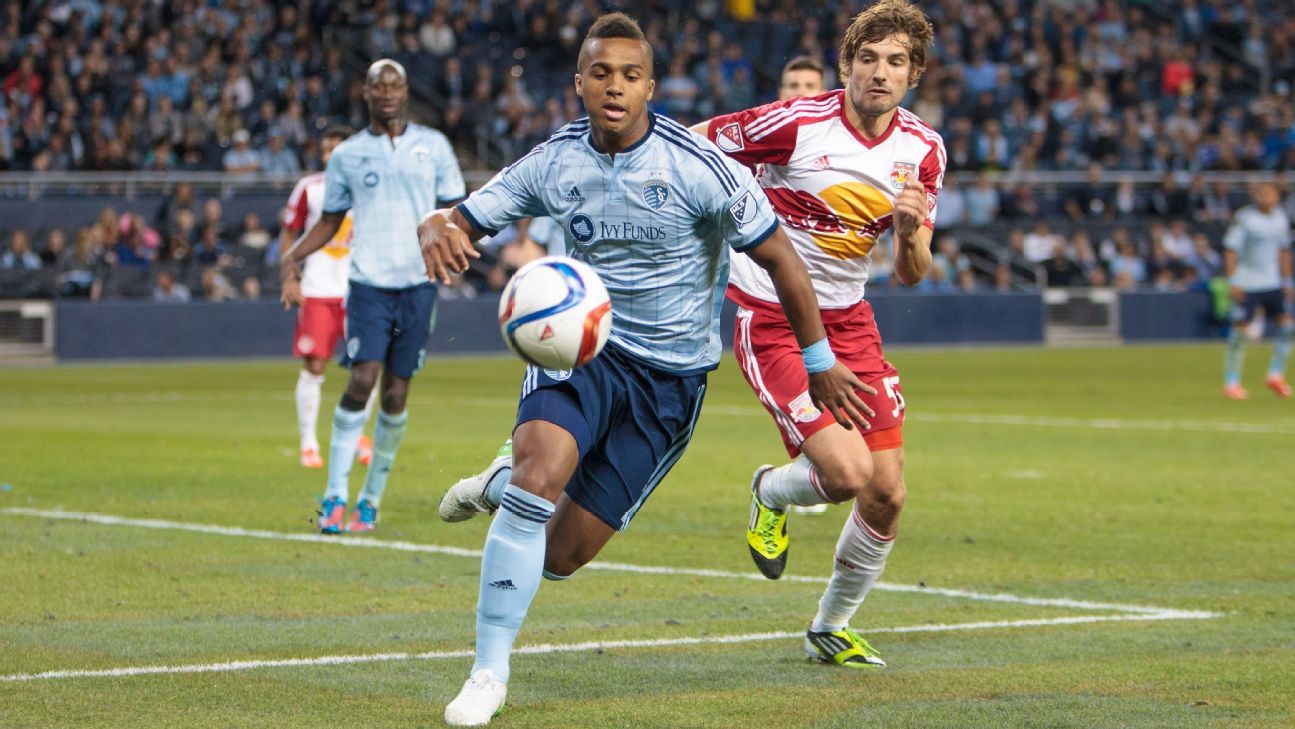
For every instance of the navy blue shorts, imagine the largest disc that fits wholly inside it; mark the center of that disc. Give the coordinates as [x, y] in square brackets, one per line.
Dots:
[390, 326]
[1273, 302]
[631, 422]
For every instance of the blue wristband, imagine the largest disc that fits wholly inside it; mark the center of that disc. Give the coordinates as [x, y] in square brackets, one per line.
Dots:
[818, 357]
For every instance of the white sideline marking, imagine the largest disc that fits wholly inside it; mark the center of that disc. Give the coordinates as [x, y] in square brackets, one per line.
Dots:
[569, 647]
[400, 546]
[1001, 419]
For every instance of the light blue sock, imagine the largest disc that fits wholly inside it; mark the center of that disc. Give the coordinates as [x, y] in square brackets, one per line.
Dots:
[386, 441]
[1233, 357]
[495, 489]
[510, 575]
[1281, 350]
[348, 426]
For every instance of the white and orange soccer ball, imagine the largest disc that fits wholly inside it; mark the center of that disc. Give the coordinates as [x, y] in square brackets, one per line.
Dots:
[555, 313]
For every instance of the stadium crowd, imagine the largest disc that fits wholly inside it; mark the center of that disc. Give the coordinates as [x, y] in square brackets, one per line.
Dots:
[1013, 86]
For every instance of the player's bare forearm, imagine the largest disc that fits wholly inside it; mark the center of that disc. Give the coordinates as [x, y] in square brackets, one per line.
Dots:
[791, 280]
[317, 237]
[913, 256]
[445, 237]
[1284, 262]
[1229, 264]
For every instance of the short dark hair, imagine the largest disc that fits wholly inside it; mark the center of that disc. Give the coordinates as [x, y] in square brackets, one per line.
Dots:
[804, 63]
[616, 25]
[338, 131]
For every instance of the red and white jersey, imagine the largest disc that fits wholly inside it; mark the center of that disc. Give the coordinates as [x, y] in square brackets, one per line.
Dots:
[325, 274]
[833, 190]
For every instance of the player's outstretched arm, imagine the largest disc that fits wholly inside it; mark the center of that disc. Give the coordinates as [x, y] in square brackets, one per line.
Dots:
[446, 239]
[290, 262]
[832, 385]
[912, 238]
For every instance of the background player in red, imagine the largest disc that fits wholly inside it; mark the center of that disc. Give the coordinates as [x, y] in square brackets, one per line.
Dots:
[841, 169]
[321, 320]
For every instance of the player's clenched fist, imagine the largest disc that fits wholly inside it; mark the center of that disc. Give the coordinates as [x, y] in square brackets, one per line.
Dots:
[910, 207]
[446, 248]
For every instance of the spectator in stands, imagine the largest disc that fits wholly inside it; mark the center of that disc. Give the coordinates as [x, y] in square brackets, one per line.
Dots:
[241, 157]
[1092, 200]
[953, 203]
[211, 250]
[168, 290]
[678, 92]
[1041, 243]
[1061, 271]
[1204, 259]
[1128, 270]
[982, 201]
[213, 216]
[78, 273]
[55, 248]
[277, 159]
[215, 287]
[20, 255]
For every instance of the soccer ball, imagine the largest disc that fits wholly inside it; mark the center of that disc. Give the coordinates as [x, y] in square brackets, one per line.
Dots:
[555, 313]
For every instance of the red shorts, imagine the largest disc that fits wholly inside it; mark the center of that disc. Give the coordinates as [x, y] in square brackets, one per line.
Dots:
[320, 323]
[770, 358]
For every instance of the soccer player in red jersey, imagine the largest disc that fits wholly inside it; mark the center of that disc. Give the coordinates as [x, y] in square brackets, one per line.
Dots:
[841, 169]
[321, 320]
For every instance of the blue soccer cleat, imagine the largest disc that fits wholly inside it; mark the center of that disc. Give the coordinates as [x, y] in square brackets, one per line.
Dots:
[331, 513]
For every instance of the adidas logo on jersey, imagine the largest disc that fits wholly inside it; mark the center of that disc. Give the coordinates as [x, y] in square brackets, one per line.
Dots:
[822, 163]
[503, 585]
[573, 195]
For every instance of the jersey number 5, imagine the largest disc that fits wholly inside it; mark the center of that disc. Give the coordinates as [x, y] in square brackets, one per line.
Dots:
[895, 396]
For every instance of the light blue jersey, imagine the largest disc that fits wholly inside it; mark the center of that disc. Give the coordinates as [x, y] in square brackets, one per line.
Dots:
[389, 185]
[656, 222]
[1258, 239]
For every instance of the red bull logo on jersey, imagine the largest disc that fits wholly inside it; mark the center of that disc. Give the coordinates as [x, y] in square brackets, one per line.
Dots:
[844, 220]
[901, 173]
[802, 409]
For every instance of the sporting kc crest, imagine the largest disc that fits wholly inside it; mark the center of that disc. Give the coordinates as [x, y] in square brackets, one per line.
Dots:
[655, 193]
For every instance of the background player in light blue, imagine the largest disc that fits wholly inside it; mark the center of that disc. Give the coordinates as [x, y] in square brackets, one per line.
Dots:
[654, 209]
[1257, 262]
[390, 175]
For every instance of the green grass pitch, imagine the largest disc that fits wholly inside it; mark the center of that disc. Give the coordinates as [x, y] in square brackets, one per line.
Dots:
[1102, 475]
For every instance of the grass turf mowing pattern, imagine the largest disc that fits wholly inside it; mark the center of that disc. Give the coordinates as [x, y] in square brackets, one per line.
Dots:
[1180, 519]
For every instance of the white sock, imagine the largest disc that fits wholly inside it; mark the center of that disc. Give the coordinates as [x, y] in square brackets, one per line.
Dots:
[347, 427]
[386, 441]
[860, 558]
[795, 483]
[308, 387]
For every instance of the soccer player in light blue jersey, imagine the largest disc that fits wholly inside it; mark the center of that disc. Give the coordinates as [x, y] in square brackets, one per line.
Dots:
[654, 209]
[389, 176]
[1257, 262]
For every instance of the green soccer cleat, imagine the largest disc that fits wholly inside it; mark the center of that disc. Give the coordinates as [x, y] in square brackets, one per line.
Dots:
[843, 647]
[766, 532]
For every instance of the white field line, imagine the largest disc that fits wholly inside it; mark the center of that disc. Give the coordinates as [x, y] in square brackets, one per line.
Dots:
[230, 666]
[370, 543]
[999, 419]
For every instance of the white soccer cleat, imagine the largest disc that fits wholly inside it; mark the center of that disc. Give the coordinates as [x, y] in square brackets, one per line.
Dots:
[481, 700]
[467, 498]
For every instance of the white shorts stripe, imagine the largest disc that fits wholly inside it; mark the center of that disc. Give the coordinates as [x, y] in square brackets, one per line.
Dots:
[751, 366]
